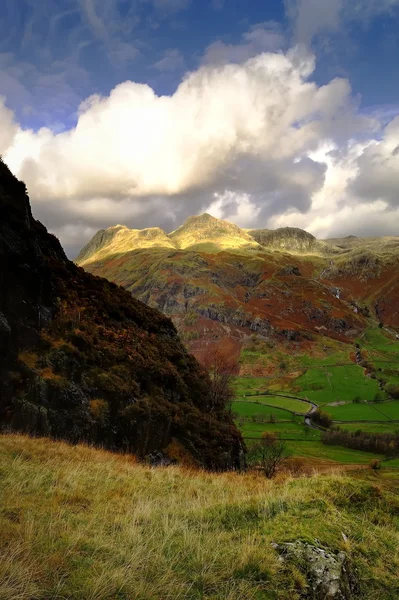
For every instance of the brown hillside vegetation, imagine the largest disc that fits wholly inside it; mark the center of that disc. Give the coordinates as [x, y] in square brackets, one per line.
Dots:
[81, 359]
[221, 284]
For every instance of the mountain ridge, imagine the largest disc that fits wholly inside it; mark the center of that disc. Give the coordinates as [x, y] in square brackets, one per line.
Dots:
[204, 233]
[285, 286]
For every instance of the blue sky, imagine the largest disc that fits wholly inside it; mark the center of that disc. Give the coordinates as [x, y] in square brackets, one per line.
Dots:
[61, 51]
[54, 54]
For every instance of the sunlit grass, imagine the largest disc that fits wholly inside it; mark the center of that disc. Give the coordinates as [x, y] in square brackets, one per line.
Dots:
[83, 524]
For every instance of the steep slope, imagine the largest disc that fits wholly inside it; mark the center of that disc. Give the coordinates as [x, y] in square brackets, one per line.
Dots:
[81, 359]
[120, 239]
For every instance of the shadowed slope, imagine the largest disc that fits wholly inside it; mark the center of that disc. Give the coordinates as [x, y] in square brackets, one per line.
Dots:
[81, 359]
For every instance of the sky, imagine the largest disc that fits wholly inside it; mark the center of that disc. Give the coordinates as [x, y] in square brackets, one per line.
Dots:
[144, 112]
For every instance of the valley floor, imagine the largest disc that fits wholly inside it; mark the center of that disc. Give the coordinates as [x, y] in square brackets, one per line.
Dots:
[281, 384]
[84, 524]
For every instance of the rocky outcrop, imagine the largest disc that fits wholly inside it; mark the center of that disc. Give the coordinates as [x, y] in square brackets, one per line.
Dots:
[81, 359]
[291, 239]
[329, 575]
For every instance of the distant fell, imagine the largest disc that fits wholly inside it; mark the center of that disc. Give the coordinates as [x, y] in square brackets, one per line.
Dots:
[201, 233]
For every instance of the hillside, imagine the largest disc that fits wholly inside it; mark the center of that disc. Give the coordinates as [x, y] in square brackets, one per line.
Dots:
[81, 359]
[82, 523]
[284, 286]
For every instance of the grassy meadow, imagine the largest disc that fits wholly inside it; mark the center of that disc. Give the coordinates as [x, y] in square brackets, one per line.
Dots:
[328, 377]
[84, 524]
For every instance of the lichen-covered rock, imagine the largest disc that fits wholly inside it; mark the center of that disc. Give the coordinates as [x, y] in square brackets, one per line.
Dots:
[329, 575]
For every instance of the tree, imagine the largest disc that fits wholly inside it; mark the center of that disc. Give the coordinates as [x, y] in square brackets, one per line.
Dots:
[222, 371]
[357, 400]
[322, 418]
[269, 453]
[378, 397]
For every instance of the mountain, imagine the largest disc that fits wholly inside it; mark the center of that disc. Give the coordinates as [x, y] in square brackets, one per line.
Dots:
[221, 284]
[208, 234]
[82, 360]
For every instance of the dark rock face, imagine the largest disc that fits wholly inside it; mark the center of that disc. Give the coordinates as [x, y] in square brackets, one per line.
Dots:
[81, 359]
[290, 270]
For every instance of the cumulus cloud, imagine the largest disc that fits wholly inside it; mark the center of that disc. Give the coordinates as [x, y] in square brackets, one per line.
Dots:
[378, 169]
[256, 142]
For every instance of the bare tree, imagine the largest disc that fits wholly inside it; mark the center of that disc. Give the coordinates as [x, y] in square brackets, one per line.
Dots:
[269, 452]
[222, 371]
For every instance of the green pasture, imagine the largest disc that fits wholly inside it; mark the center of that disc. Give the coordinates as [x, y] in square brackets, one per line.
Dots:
[336, 384]
[357, 412]
[337, 453]
[249, 409]
[249, 385]
[375, 340]
[391, 409]
[289, 404]
[287, 430]
[386, 427]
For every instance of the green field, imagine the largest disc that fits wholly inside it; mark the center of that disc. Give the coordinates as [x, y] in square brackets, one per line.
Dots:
[358, 412]
[249, 409]
[336, 384]
[285, 403]
[377, 342]
[323, 379]
[337, 453]
[386, 427]
[384, 411]
[292, 431]
[249, 385]
[289, 404]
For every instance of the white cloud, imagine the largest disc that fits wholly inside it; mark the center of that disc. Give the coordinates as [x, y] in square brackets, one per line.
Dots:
[256, 142]
[378, 169]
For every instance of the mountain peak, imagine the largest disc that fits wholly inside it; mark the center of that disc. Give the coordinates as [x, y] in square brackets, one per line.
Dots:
[209, 234]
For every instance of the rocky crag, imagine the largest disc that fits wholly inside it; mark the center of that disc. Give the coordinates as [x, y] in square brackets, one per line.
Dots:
[81, 359]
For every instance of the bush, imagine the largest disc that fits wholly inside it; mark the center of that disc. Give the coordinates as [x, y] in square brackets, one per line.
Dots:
[322, 418]
[268, 453]
[393, 391]
[375, 464]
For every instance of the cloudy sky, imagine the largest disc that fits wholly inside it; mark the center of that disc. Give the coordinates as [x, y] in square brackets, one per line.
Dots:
[143, 112]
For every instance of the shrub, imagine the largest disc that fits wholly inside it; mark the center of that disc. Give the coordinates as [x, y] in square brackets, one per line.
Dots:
[268, 453]
[322, 418]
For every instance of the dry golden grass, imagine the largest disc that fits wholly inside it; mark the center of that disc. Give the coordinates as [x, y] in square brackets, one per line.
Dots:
[84, 524]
